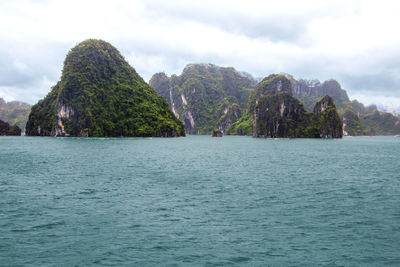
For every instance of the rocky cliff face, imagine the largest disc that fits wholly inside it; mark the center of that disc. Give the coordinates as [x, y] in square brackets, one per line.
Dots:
[329, 123]
[100, 94]
[274, 112]
[352, 125]
[280, 115]
[230, 115]
[205, 96]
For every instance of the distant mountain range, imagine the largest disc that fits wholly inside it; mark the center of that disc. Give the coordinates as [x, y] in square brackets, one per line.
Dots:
[14, 112]
[207, 97]
[390, 109]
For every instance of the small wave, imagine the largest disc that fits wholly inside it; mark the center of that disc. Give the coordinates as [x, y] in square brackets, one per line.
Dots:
[162, 248]
[87, 192]
[48, 225]
[239, 259]
[133, 226]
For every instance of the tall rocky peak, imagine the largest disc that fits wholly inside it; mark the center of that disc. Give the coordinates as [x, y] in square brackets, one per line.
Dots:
[279, 115]
[274, 84]
[100, 94]
[2, 102]
[205, 96]
[323, 104]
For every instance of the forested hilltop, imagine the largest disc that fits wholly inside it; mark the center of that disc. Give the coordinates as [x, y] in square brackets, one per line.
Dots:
[100, 94]
[205, 96]
[14, 112]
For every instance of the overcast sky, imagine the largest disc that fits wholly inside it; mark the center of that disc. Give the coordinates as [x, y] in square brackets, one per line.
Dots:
[354, 42]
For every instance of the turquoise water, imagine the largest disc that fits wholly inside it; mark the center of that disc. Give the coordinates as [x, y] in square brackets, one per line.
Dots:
[199, 201]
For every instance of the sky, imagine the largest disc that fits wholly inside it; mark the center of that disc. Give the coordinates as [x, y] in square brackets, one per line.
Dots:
[356, 43]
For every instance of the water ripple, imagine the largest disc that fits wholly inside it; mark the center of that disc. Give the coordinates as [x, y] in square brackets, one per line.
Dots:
[235, 201]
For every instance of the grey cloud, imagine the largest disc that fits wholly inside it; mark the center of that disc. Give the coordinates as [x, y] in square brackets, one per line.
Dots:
[10, 73]
[174, 57]
[275, 28]
[377, 84]
[372, 72]
[26, 68]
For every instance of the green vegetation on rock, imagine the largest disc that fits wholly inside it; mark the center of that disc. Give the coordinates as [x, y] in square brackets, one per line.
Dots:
[205, 96]
[329, 123]
[100, 94]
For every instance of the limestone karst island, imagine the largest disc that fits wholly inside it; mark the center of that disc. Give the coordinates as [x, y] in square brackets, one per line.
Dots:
[100, 94]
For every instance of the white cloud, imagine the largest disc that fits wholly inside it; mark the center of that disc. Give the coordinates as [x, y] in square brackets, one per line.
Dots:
[354, 42]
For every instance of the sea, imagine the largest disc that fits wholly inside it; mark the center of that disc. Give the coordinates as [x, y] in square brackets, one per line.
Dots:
[199, 201]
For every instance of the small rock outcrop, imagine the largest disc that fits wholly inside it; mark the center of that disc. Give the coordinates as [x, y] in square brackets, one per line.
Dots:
[216, 133]
[100, 94]
[6, 129]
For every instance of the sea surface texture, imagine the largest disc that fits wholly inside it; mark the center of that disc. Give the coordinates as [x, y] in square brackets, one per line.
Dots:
[199, 201]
